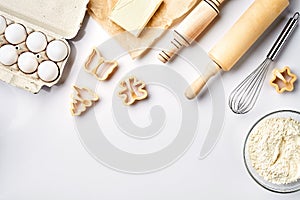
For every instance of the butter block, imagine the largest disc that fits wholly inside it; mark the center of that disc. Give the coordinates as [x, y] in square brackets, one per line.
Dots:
[133, 15]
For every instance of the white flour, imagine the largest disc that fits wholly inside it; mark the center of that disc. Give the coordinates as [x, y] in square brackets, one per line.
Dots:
[274, 150]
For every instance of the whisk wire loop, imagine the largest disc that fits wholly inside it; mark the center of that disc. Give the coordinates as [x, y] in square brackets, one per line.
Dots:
[243, 98]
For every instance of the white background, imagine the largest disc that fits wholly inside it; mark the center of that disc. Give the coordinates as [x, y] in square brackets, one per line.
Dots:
[41, 156]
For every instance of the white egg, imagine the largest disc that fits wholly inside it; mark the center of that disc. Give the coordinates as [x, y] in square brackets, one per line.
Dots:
[27, 62]
[8, 55]
[15, 33]
[48, 71]
[36, 42]
[57, 50]
[3, 24]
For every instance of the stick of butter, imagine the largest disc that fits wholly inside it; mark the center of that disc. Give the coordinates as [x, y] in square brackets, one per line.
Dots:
[133, 15]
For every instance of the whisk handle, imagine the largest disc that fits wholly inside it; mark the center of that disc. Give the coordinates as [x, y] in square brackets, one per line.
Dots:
[283, 37]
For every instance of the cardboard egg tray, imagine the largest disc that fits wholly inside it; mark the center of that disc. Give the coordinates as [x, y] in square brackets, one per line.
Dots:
[13, 75]
[57, 20]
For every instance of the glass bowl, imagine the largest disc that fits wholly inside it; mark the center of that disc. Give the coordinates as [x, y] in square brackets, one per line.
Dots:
[279, 188]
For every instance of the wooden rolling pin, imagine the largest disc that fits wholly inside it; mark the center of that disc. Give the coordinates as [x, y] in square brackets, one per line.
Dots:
[242, 35]
[191, 27]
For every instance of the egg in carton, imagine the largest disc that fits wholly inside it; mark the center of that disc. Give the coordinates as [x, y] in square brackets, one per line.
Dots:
[33, 40]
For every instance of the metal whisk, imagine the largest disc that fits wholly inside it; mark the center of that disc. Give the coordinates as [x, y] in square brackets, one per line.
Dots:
[244, 96]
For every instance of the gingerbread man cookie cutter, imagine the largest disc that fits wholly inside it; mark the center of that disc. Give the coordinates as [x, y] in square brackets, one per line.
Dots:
[132, 90]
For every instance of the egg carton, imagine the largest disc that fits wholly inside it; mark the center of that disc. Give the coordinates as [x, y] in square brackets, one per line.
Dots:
[33, 40]
[27, 73]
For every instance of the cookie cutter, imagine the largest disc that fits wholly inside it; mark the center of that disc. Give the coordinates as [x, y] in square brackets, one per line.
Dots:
[283, 79]
[97, 66]
[82, 98]
[132, 90]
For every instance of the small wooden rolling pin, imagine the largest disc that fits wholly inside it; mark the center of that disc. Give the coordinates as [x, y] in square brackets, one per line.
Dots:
[242, 35]
[191, 27]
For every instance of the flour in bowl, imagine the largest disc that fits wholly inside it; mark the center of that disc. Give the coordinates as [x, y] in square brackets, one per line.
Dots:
[274, 150]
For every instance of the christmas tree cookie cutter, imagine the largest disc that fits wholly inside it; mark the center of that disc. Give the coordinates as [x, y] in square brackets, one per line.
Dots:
[82, 98]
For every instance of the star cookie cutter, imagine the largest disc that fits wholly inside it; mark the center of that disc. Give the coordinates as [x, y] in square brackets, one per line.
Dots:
[283, 79]
[82, 98]
[98, 66]
[132, 90]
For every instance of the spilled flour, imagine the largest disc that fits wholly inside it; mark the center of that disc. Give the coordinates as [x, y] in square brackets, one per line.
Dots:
[274, 150]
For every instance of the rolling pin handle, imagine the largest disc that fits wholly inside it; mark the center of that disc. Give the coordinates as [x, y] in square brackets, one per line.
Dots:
[177, 43]
[191, 27]
[194, 89]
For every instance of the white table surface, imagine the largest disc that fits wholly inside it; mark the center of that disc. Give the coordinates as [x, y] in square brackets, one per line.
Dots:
[42, 157]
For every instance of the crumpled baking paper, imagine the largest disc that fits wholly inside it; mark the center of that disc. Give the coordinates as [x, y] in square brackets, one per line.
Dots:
[169, 13]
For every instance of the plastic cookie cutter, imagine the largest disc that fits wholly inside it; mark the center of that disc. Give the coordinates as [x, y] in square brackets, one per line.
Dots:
[97, 66]
[132, 90]
[82, 98]
[283, 80]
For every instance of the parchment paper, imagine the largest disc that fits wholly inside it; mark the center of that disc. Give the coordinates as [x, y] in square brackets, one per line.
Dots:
[169, 13]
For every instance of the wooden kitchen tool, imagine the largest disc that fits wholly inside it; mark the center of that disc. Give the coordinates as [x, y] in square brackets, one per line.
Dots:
[235, 43]
[191, 27]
